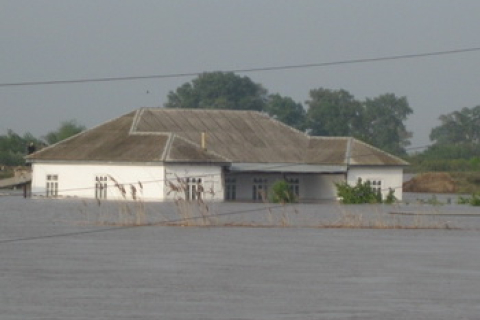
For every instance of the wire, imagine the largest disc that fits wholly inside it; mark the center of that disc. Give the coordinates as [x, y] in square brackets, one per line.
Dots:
[68, 234]
[248, 70]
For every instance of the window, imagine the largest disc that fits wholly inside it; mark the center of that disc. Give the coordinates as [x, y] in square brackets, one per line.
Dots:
[260, 189]
[230, 188]
[193, 188]
[294, 186]
[52, 185]
[376, 185]
[100, 187]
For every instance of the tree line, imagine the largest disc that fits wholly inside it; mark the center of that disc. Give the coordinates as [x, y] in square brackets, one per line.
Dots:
[456, 143]
[379, 121]
[14, 147]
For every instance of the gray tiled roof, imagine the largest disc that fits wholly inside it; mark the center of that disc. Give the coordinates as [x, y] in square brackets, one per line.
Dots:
[174, 135]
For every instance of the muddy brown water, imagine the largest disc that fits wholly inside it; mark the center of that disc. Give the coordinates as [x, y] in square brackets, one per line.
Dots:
[59, 262]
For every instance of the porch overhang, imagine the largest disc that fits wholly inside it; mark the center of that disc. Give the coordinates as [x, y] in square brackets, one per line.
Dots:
[287, 168]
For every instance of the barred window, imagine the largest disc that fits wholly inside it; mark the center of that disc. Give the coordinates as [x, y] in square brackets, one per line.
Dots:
[376, 185]
[100, 187]
[193, 188]
[52, 185]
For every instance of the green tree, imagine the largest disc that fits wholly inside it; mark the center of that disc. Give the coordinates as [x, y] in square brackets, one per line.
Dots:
[286, 110]
[456, 143]
[383, 123]
[333, 113]
[219, 90]
[378, 121]
[66, 130]
[13, 148]
[458, 127]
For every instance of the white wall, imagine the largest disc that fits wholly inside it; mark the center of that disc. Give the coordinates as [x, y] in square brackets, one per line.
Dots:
[313, 186]
[321, 186]
[79, 180]
[212, 180]
[390, 177]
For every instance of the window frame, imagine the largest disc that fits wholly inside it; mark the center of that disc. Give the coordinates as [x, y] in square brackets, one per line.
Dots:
[101, 187]
[51, 185]
[259, 188]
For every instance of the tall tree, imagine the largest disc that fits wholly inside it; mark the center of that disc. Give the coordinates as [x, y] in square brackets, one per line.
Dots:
[66, 130]
[378, 121]
[384, 126]
[286, 110]
[333, 113]
[458, 127]
[219, 90]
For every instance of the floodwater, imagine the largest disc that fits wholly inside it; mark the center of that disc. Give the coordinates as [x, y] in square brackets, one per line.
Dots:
[73, 259]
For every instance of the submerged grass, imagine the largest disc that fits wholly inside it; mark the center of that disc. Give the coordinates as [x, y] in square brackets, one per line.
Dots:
[201, 212]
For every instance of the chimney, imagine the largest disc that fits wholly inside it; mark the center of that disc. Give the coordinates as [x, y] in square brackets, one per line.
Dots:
[204, 141]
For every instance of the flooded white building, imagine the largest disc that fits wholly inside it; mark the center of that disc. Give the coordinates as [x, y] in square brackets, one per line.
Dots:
[158, 154]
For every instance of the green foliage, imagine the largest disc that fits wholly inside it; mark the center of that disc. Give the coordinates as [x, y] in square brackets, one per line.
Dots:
[282, 193]
[451, 151]
[458, 127]
[459, 157]
[383, 123]
[333, 113]
[286, 110]
[219, 90]
[457, 144]
[360, 193]
[390, 198]
[378, 121]
[13, 148]
[473, 201]
[66, 130]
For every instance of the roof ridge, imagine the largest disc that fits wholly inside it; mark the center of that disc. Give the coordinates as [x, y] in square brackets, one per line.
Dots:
[330, 137]
[76, 135]
[138, 114]
[176, 136]
[284, 124]
[168, 146]
[200, 110]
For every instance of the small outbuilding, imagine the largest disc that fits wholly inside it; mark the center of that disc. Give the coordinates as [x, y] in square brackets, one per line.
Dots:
[158, 154]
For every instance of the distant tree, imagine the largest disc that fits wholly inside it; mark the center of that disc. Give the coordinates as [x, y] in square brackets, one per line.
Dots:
[456, 143]
[286, 110]
[378, 121]
[66, 130]
[13, 148]
[333, 113]
[383, 123]
[458, 127]
[219, 90]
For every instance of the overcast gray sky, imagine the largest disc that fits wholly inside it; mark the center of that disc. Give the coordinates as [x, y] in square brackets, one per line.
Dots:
[43, 40]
